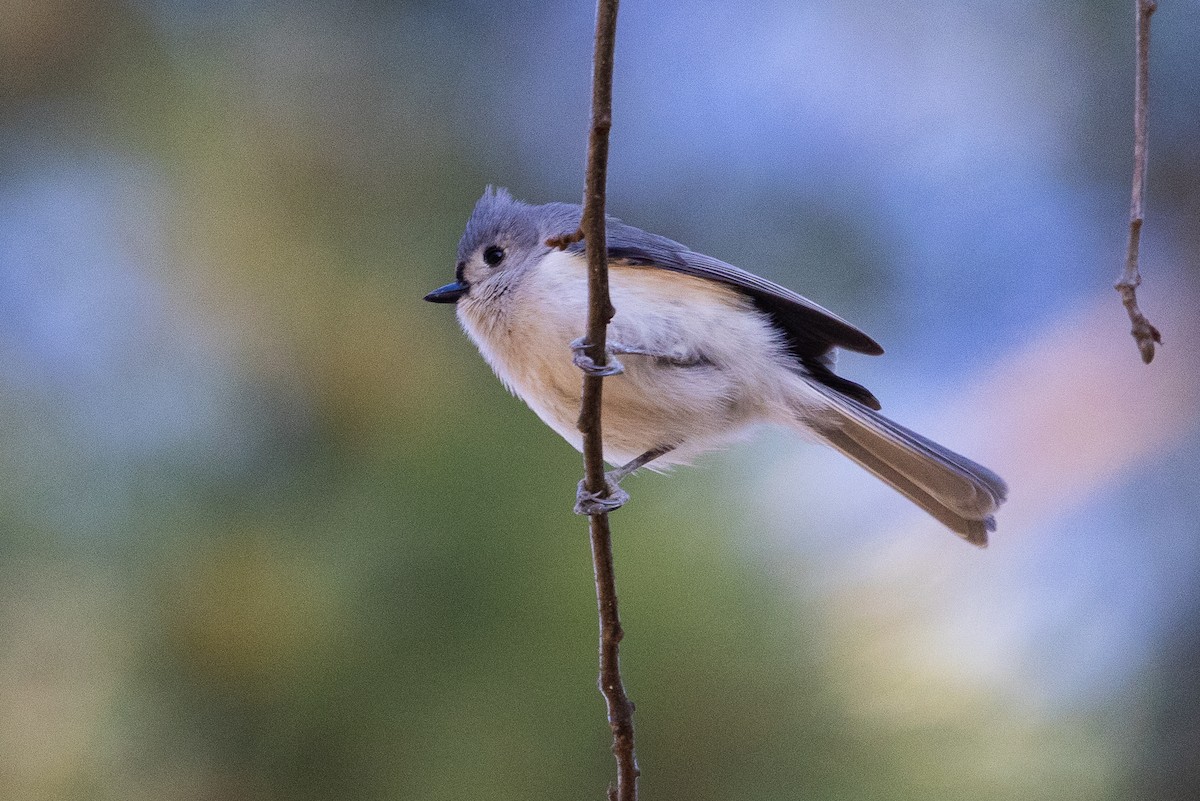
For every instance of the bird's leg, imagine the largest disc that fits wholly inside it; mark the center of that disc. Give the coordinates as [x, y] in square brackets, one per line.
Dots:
[584, 362]
[588, 503]
[633, 465]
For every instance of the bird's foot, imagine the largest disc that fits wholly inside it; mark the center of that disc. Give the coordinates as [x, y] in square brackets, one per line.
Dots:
[594, 503]
[584, 362]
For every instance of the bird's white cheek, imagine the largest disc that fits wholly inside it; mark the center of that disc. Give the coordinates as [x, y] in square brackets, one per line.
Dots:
[487, 334]
[528, 349]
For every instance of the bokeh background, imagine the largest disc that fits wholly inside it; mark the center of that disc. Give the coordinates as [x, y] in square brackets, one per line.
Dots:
[270, 529]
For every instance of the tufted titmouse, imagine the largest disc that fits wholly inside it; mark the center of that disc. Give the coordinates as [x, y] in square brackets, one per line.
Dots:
[707, 351]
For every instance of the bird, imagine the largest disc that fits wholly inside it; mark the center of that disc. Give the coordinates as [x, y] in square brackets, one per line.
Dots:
[700, 353]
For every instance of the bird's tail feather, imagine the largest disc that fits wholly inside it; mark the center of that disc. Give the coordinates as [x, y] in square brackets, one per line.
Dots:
[957, 492]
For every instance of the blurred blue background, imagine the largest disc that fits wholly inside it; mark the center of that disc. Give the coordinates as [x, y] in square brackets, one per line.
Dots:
[270, 529]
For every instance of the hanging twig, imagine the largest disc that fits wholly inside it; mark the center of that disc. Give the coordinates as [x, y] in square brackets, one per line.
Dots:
[600, 312]
[1143, 332]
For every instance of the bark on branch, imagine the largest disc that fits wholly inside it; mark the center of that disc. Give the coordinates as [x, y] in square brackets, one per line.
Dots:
[600, 312]
[1143, 332]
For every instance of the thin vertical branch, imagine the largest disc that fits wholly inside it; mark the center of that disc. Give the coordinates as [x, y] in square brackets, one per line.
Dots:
[600, 312]
[1143, 332]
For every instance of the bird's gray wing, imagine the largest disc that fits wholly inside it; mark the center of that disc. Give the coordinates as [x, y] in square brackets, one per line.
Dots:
[812, 332]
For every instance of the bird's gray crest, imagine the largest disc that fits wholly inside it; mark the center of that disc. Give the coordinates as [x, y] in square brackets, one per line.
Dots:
[499, 218]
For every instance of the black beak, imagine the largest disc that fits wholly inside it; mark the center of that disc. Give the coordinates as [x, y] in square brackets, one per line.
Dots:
[450, 293]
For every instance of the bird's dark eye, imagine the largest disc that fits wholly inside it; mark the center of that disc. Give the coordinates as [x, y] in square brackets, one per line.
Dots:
[493, 256]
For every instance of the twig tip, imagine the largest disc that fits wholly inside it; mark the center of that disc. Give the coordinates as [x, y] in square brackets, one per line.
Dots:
[564, 241]
[1146, 335]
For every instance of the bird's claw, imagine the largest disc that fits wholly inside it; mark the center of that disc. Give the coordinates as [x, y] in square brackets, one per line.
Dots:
[593, 503]
[584, 362]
